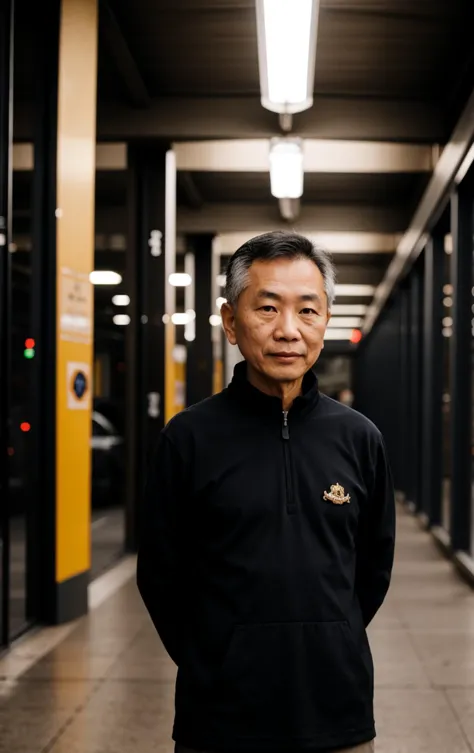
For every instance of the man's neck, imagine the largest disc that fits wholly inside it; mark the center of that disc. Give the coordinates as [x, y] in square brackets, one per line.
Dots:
[286, 391]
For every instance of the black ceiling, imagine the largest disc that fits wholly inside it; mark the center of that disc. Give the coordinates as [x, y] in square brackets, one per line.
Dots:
[395, 49]
[394, 70]
[333, 188]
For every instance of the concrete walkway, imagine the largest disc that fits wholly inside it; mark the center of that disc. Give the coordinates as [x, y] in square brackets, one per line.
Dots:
[108, 686]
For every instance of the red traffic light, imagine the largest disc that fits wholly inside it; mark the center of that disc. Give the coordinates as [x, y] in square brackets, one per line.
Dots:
[356, 336]
[29, 343]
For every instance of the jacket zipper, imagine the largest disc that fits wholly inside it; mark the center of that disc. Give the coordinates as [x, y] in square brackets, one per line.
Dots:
[285, 433]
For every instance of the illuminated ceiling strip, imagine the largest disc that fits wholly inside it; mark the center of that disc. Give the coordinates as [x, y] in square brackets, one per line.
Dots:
[349, 309]
[338, 334]
[319, 156]
[345, 321]
[349, 291]
[335, 242]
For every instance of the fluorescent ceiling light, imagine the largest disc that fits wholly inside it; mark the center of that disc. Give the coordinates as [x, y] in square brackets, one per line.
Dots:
[121, 300]
[345, 321]
[104, 277]
[349, 309]
[180, 279]
[286, 168]
[287, 31]
[338, 334]
[179, 354]
[184, 317]
[365, 291]
[190, 331]
[121, 319]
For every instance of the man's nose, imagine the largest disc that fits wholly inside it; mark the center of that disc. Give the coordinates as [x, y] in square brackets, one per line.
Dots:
[287, 328]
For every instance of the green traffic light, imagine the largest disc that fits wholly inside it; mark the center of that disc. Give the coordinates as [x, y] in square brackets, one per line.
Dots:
[29, 353]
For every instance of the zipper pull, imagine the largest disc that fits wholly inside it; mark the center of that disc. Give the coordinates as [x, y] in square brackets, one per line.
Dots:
[285, 431]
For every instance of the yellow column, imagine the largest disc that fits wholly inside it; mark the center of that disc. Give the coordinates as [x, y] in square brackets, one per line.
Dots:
[76, 143]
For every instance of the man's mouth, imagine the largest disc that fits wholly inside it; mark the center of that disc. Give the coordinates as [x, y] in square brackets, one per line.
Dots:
[286, 355]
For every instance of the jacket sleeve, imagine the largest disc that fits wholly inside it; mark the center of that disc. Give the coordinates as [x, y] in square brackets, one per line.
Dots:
[160, 565]
[376, 540]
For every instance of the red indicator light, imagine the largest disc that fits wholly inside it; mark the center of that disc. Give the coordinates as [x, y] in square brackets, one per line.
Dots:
[356, 336]
[29, 343]
[11, 452]
[25, 426]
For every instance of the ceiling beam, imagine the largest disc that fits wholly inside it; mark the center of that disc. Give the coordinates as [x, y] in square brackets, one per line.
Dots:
[108, 156]
[319, 156]
[336, 242]
[244, 117]
[123, 60]
[455, 160]
[251, 218]
[176, 118]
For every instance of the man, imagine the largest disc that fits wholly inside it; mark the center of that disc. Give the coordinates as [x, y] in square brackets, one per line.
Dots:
[268, 536]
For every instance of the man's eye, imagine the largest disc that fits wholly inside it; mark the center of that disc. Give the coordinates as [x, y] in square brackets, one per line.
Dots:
[267, 309]
[308, 311]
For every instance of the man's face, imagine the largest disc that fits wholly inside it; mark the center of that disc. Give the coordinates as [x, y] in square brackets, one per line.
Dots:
[280, 318]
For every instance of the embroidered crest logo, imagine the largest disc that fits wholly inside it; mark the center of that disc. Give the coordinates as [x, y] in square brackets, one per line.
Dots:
[337, 495]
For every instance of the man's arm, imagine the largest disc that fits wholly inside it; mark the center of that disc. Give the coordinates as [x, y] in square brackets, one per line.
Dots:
[160, 563]
[376, 543]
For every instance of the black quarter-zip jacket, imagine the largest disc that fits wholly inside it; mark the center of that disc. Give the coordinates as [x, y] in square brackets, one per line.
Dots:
[259, 584]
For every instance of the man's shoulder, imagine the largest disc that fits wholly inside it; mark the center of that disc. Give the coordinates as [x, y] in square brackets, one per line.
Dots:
[351, 419]
[197, 416]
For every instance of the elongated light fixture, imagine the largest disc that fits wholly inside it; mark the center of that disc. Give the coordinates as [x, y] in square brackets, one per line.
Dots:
[286, 168]
[121, 300]
[180, 279]
[287, 31]
[105, 277]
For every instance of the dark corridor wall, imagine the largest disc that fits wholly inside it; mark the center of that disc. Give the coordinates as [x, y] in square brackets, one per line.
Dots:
[378, 382]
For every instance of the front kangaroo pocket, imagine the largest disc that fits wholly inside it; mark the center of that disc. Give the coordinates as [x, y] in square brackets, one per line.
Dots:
[296, 680]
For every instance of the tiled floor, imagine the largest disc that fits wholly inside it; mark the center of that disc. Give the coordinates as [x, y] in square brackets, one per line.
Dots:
[108, 538]
[108, 686]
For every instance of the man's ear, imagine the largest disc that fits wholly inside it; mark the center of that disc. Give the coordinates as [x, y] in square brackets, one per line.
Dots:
[228, 322]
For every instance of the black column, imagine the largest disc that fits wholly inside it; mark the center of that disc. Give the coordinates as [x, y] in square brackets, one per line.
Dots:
[405, 390]
[199, 359]
[145, 337]
[415, 412]
[41, 601]
[462, 204]
[6, 137]
[432, 375]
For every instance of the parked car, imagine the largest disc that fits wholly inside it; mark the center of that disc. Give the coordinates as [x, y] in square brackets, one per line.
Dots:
[107, 462]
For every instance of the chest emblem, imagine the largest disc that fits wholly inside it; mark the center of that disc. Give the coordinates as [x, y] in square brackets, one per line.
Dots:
[337, 495]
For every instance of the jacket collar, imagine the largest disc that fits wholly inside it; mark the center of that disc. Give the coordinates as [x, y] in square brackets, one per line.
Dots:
[241, 390]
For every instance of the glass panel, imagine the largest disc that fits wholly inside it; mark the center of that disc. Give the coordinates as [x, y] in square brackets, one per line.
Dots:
[446, 406]
[472, 409]
[22, 355]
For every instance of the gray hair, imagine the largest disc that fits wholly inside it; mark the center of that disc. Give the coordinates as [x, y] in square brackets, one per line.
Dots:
[277, 245]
